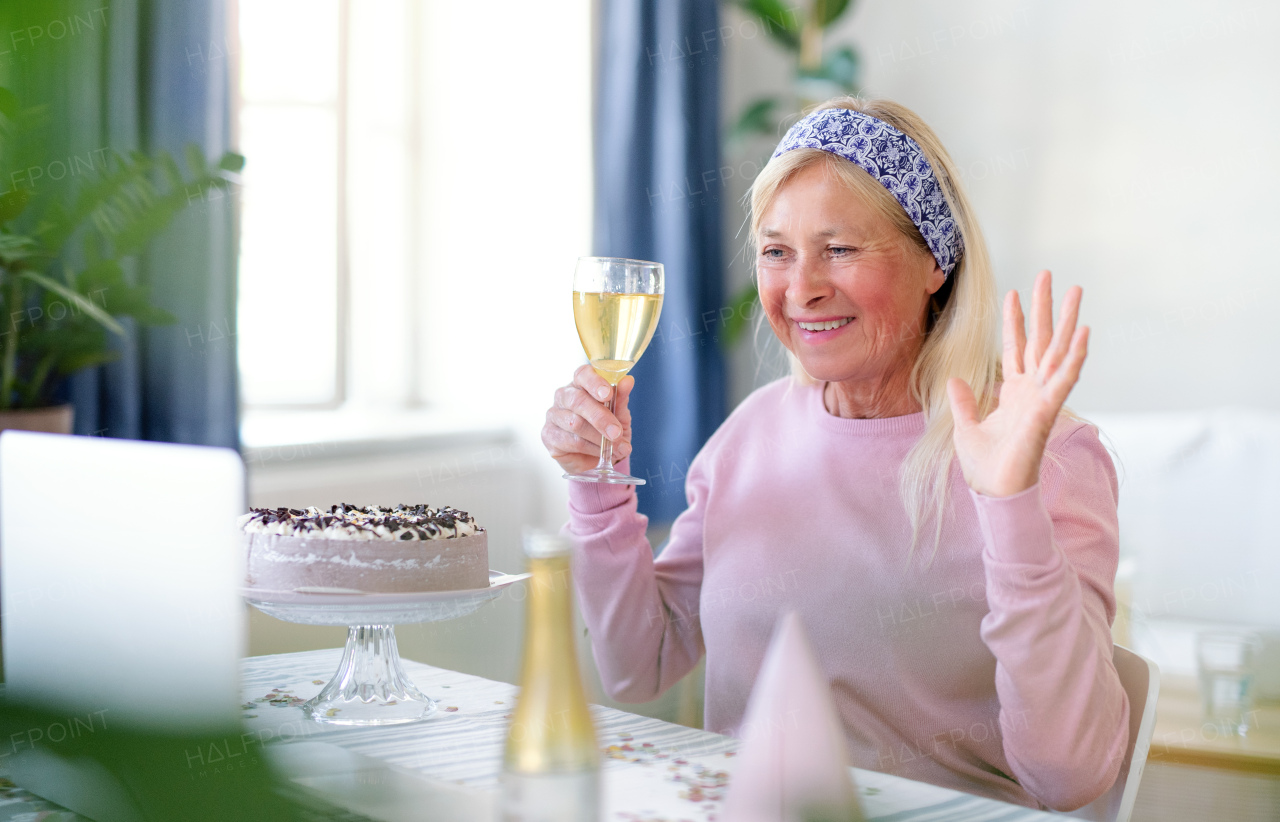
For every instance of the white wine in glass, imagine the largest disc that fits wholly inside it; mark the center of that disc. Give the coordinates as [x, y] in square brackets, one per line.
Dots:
[615, 329]
[616, 304]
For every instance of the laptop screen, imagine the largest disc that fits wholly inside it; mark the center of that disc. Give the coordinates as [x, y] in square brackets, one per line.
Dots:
[119, 576]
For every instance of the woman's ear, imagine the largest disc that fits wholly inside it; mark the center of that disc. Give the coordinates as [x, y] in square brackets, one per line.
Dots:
[935, 278]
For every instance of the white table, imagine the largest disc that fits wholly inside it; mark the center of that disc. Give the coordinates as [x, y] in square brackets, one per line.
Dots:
[653, 771]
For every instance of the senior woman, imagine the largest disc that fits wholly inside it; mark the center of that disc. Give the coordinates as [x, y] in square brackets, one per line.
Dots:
[945, 530]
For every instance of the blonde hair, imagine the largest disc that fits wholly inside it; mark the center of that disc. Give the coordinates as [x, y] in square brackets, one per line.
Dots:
[960, 335]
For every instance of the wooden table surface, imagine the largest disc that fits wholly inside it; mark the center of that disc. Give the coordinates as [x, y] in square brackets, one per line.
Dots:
[1182, 736]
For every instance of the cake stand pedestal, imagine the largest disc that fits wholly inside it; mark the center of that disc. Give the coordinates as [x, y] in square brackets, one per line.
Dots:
[371, 687]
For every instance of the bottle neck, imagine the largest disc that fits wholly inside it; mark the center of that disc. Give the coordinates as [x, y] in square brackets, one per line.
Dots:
[549, 647]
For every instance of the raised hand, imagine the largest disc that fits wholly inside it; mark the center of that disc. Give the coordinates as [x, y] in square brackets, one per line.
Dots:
[1000, 455]
[580, 415]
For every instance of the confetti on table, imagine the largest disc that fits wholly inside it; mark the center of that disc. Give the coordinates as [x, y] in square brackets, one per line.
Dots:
[701, 784]
[451, 709]
[284, 699]
[317, 682]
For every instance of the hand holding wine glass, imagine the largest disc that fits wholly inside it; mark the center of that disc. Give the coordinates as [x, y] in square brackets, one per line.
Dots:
[579, 419]
[616, 304]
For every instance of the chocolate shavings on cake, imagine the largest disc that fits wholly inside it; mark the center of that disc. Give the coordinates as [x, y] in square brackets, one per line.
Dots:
[345, 521]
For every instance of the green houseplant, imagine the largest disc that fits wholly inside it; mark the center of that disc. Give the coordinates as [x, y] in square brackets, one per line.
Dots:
[65, 264]
[820, 71]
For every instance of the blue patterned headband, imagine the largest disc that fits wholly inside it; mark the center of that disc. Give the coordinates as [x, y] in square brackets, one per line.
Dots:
[892, 158]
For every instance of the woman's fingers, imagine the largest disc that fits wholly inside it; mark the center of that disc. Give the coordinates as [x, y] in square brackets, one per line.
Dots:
[579, 417]
[575, 424]
[1068, 372]
[964, 406]
[1064, 333]
[561, 442]
[1015, 337]
[574, 398]
[1041, 320]
[595, 385]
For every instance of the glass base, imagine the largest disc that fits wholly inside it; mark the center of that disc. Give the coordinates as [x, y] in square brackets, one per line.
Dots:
[370, 687]
[605, 475]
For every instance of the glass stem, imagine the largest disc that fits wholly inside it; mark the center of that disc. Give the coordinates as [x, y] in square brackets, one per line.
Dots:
[606, 444]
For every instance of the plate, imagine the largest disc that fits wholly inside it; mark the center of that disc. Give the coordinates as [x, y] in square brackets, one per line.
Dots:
[497, 579]
[358, 608]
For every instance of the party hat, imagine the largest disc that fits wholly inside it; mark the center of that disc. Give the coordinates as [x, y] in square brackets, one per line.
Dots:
[793, 765]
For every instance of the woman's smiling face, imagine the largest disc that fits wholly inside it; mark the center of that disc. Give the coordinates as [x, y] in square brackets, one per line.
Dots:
[843, 289]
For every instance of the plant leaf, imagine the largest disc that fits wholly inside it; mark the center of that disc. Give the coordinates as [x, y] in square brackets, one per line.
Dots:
[743, 309]
[155, 316]
[831, 11]
[12, 203]
[14, 247]
[70, 364]
[779, 21]
[8, 103]
[758, 118]
[195, 160]
[231, 162]
[172, 174]
[77, 299]
[840, 68]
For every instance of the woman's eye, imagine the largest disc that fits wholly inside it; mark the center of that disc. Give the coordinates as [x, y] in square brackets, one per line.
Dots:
[772, 253]
[840, 250]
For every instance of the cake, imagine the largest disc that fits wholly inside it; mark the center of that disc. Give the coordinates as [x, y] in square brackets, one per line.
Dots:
[350, 549]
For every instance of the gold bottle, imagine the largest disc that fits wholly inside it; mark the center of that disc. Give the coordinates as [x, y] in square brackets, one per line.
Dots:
[551, 764]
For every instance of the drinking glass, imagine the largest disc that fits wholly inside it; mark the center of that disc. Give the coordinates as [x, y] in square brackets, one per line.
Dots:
[1226, 661]
[616, 303]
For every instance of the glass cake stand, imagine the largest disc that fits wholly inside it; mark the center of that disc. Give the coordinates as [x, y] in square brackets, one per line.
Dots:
[371, 687]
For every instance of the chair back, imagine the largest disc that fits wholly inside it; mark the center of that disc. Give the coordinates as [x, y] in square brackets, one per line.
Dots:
[1140, 679]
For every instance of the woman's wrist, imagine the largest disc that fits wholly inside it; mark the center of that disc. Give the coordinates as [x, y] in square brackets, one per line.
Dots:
[1005, 482]
[1016, 528]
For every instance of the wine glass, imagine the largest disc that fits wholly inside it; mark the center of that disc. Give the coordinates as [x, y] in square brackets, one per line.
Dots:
[616, 303]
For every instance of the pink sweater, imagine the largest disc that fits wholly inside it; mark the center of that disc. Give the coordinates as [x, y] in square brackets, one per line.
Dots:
[988, 669]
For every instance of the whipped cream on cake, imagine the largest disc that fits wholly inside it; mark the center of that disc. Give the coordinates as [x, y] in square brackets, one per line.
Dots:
[353, 522]
[374, 549]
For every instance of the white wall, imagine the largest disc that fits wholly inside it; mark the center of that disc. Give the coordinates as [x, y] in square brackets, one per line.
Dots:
[1129, 147]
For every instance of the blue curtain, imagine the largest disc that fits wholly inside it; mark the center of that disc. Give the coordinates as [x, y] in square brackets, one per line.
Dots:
[658, 196]
[125, 75]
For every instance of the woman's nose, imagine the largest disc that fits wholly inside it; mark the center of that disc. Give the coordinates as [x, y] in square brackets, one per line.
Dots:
[809, 282]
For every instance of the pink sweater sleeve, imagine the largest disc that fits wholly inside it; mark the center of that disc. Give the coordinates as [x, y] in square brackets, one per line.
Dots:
[1050, 557]
[641, 613]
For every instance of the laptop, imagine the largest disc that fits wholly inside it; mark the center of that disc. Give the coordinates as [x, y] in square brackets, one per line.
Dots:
[119, 579]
